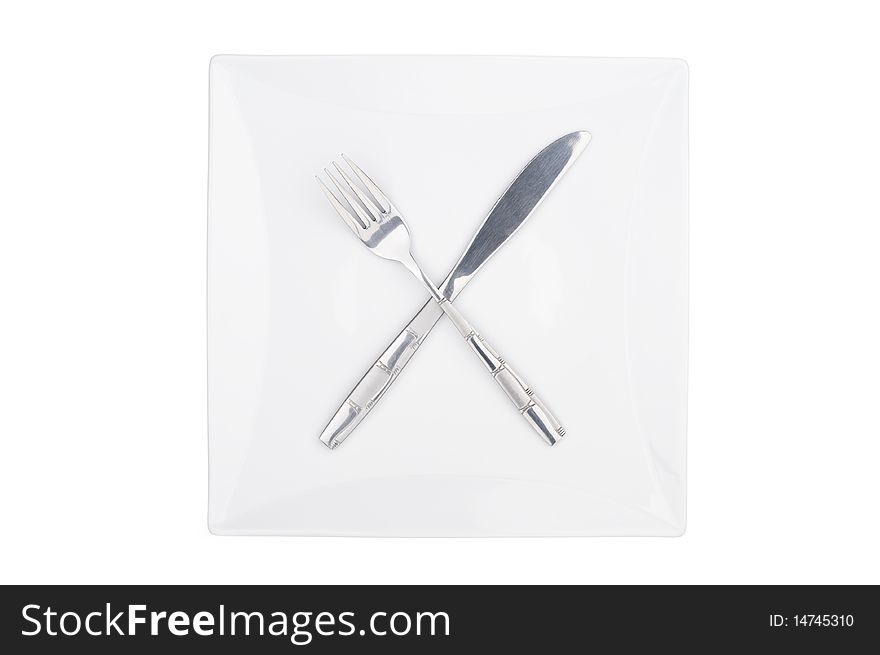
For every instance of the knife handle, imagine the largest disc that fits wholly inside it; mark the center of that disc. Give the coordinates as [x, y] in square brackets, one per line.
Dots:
[379, 377]
[532, 408]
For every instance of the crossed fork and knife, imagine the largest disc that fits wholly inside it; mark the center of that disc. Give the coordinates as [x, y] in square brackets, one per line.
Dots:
[379, 225]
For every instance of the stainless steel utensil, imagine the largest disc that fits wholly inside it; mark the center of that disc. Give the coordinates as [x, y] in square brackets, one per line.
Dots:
[380, 226]
[510, 211]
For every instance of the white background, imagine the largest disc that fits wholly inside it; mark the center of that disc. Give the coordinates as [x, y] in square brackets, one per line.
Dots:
[103, 153]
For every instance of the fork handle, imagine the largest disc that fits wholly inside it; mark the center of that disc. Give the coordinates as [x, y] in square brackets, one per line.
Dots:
[536, 413]
[532, 408]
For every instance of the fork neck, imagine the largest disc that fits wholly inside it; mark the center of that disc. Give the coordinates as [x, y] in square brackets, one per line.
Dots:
[460, 322]
[414, 268]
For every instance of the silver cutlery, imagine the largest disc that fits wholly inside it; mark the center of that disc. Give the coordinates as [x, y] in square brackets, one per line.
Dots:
[511, 210]
[380, 226]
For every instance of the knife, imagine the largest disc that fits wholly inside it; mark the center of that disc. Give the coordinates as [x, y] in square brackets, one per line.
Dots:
[511, 210]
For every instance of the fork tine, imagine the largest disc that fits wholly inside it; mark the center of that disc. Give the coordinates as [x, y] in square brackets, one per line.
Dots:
[369, 202]
[363, 215]
[380, 197]
[344, 214]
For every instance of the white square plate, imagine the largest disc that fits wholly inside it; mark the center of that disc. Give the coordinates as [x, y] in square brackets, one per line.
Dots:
[588, 300]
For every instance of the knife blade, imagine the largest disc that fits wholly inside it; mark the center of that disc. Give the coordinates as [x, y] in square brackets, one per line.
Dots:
[511, 210]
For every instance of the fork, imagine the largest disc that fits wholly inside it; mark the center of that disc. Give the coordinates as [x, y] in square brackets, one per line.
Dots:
[379, 225]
